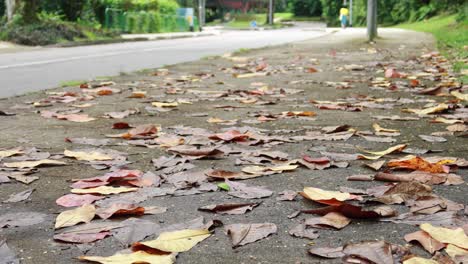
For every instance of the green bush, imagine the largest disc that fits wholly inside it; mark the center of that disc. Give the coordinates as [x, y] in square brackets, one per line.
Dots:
[306, 7]
[43, 33]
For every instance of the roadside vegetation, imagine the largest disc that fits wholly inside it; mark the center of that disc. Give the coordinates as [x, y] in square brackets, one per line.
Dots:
[452, 38]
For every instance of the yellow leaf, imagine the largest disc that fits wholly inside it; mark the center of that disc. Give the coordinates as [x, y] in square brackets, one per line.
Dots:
[254, 169]
[84, 213]
[104, 190]
[178, 241]
[249, 75]
[378, 128]
[317, 194]
[134, 257]
[162, 104]
[418, 260]
[446, 121]
[284, 168]
[379, 154]
[430, 110]
[10, 152]
[459, 95]
[454, 251]
[88, 156]
[456, 237]
[32, 164]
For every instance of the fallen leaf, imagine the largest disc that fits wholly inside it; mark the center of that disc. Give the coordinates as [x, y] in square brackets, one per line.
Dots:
[231, 209]
[325, 197]
[176, 241]
[419, 260]
[327, 252]
[134, 257]
[456, 237]
[74, 117]
[302, 231]
[84, 213]
[418, 163]
[242, 234]
[196, 153]
[120, 209]
[82, 238]
[379, 154]
[454, 251]
[163, 104]
[34, 163]
[286, 195]
[459, 95]
[7, 256]
[10, 152]
[332, 219]
[430, 110]
[134, 230]
[432, 139]
[353, 211]
[87, 156]
[21, 219]
[104, 190]
[121, 125]
[72, 200]
[376, 165]
[429, 244]
[245, 191]
[18, 197]
[375, 251]
[230, 135]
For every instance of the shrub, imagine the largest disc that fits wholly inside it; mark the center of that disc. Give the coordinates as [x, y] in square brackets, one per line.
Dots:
[306, 7]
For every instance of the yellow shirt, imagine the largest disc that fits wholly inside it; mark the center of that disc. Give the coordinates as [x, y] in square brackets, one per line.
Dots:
[344, 11]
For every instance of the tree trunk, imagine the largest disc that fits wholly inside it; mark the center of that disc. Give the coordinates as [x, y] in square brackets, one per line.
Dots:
[10, 9]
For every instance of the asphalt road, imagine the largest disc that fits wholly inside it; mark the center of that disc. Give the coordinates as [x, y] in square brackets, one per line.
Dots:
[27, 71]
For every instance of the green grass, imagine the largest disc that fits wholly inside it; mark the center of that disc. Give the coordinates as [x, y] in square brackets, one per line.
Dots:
[452, 38]
[72, 83]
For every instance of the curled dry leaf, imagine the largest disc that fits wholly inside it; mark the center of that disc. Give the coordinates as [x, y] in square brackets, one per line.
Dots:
[230, 135]
[72, 200]
[325, 197]
[134, 257]
[175, 241]
[84, 213]
[11, 152]
[354, 212]
[332, 219]
[419, 260]
[430, 110]
[379, 154]
[231, 209]
[429, 244]
[375, 251]
[120, 209]
[418, 163]
[196, 153]
[139, 132]
[242, 234]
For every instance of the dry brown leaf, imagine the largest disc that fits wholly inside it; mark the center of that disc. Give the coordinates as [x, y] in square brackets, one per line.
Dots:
[242, 234]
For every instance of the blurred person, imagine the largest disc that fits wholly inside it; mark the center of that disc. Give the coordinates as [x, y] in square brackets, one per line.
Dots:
[344, 12]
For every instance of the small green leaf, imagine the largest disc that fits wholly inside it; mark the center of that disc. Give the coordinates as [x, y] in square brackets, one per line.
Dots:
[224, 186]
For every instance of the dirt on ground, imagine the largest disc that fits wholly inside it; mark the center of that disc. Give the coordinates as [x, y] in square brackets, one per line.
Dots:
[266, 95]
